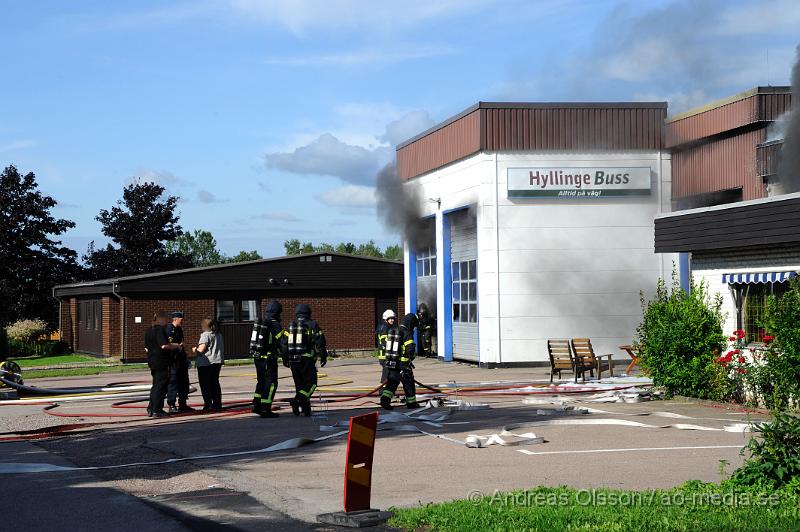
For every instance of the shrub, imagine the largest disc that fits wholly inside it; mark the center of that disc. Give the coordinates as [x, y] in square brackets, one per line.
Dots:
[782, 320]
[26, 330]
[774, 460]
[46, 348]
[679, 338]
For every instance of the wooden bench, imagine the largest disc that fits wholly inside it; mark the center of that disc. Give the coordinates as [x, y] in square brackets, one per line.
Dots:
[586, 359]
[560, 358]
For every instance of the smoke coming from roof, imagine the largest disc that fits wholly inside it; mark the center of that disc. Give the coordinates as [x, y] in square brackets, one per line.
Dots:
[400, 209]
[789, 169]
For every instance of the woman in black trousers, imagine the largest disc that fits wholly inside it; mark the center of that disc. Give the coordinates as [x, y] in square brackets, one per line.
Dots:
[209, 360]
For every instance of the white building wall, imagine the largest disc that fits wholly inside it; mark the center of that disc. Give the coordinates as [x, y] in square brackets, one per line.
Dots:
[568, 267]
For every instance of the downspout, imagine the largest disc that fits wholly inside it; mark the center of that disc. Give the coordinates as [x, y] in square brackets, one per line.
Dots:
[660, 205]
[122, 320]
[497, 250]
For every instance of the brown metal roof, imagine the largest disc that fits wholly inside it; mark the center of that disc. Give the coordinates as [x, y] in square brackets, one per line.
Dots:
[760, 104]
[530, 126]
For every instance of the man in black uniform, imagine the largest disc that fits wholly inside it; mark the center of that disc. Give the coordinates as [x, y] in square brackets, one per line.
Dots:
[425, 331]
[302, 344]
[265, 347]
[388, 323]
[179, 369]
[159, 354]
[400, 350]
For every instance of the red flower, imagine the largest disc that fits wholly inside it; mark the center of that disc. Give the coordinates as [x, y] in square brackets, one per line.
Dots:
[739, 333]
[768, 338]
[732, 339]
[736, 352]
[742, 370]
[741, 360]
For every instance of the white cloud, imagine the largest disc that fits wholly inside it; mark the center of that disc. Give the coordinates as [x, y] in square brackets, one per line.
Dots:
[17, 145]
[160, 177]
[204, 196]
[366, 56]
[351, 196]
[278, 216]
[327, 155]
[300, 16]
[406, 127]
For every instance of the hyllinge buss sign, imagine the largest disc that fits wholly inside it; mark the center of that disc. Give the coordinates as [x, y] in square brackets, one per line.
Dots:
[588, 182]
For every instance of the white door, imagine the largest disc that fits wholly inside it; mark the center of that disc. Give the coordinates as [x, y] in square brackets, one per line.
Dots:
[464, 277]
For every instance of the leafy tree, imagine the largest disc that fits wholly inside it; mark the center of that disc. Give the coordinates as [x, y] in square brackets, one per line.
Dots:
[369, 250]
[346, 247]
[31, 262]
[199, 246]
[140, 225]
[324, 247]
[292, 247]
[393, 252]
[244, 256]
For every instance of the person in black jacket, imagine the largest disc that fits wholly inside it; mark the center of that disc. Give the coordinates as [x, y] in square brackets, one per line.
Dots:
[179, 369]
[400, 350]
[389, 322]
[159, 354]
[265, 348]
[302, 344]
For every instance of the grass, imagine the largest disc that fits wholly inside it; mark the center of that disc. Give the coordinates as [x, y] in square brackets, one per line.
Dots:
[77, 372]
[31, 362]
[691, 506]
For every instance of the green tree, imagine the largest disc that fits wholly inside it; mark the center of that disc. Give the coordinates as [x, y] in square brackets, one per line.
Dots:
[394, 252]
[369, 250]
[31, 261]
[199, 246]
[244, 256]
[292, 247]
[346, 247]
[324, 247]
[140, 224]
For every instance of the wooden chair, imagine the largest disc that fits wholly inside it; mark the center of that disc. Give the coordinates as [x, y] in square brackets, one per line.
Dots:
[560, 358]
[586, 359]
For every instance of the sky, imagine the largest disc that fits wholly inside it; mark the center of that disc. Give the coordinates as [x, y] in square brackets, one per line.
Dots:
[271, 119]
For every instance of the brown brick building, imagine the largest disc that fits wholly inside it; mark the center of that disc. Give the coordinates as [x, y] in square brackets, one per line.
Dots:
[347, 295]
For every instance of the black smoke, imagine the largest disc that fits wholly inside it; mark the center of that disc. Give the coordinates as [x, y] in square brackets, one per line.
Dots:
[789, 169]
[400, 208]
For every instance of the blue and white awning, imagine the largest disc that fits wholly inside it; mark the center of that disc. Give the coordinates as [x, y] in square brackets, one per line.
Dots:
[756, 278]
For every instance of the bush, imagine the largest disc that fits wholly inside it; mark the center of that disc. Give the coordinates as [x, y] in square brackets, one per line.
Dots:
[26, 330]
[680, 337]
[774, 460]
[47, 348]
[782, 320]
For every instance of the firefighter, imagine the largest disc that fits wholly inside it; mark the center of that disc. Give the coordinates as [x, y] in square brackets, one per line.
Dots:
[302, 344]
[425, 331]
[389, 322]
[400, 351]
[178, 369]
[265, 347]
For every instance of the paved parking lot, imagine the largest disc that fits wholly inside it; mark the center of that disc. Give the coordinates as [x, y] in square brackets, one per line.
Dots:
[288, 488]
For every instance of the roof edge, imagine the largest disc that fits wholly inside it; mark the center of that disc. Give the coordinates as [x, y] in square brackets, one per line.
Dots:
[725, 206]
[761, 89]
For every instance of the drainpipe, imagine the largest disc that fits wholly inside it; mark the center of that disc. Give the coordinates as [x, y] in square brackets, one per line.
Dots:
[122, 320]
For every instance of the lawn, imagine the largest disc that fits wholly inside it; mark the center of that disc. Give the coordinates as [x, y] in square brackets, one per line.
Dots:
[692, 506]
[77, 372]
[30, 362]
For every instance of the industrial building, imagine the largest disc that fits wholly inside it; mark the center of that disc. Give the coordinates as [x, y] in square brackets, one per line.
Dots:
[541, 219]
[347, 295]
[735, 228]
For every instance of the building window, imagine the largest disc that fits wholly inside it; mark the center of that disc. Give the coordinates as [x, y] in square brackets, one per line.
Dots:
[237, 310]
[754, 305]
[426, 262]
[465, 291]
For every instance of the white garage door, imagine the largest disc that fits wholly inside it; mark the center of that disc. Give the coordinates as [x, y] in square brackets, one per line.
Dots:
[464, 275]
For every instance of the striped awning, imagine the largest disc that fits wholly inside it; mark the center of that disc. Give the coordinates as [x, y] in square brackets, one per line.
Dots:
[755, 278]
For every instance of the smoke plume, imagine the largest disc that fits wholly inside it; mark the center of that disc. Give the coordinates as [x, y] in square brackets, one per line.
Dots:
[789, 169]
[400, 209]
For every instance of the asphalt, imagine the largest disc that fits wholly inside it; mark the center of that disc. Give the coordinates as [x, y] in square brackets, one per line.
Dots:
[286, 490]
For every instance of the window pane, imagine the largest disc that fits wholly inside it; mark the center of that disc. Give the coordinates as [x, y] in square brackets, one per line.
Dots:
[419, 268]
[456, 292]
[455, 271]
[464, 313]
[427, 267]
[249, 310]
[433, 266]
[225, 311]
[464, 271]
[456, 313]
[464, 291]
[473, 313]
[473, 291]
[473, 269]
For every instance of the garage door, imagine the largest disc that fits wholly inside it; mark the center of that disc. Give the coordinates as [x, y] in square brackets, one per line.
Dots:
[464, 275]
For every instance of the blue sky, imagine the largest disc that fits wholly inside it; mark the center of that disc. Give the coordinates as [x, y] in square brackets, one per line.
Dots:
[270, 119]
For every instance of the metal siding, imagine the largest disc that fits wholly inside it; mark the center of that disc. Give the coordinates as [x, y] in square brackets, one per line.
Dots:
[464, 247]
[768, 159]
[722, 164]
[450, 143]
[773, 222]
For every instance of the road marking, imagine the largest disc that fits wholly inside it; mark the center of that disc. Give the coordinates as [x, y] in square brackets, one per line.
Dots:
[592, 451]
